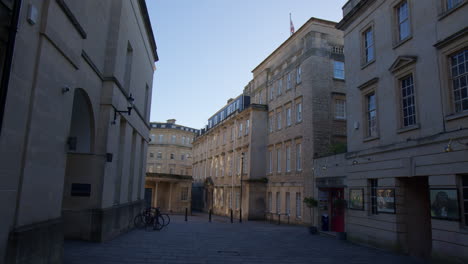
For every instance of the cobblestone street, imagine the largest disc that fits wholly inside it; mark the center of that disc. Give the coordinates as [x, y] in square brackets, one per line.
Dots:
[198, 241]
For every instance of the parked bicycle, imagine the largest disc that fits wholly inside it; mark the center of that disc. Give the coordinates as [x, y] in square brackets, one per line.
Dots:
[151, 217]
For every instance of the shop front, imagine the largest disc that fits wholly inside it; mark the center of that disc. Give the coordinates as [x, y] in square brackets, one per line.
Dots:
[332, 204]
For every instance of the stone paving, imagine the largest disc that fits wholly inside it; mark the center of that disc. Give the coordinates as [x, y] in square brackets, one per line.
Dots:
[198, 241]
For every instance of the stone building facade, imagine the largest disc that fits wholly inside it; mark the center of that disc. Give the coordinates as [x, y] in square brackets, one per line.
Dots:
[169, 167]
[227, 152]
[406, 168]
[72, 155]
[301, 88]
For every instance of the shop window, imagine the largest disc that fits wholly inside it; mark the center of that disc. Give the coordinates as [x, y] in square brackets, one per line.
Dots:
[465, 198]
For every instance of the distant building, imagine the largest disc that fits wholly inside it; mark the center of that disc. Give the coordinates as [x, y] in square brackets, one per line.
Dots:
[169, 167]
[72, 154]
[296, 112]
[406, 169]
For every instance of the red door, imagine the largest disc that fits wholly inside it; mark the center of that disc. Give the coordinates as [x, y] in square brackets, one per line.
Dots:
[337, 210]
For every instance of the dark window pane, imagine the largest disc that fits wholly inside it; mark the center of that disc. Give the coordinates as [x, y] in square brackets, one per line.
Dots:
[465, 181]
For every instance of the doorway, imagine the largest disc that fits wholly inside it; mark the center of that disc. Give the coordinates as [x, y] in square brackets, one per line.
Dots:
[418, 217]
[337, 208]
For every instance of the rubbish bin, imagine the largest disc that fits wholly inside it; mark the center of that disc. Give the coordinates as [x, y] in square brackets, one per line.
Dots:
[325, 221]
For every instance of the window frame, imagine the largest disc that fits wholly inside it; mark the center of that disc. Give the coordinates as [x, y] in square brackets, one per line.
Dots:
[299, 74]
[397, 38]
[335, 70]
[364, 61]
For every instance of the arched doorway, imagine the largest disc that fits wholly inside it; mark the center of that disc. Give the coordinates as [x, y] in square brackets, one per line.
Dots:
[82, 184]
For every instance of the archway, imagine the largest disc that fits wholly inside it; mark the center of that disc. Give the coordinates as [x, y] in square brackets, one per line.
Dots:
[82, 182]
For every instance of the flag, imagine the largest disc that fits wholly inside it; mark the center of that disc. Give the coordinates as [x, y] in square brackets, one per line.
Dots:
[291, 25]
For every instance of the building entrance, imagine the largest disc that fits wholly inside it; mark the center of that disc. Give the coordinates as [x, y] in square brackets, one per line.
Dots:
[332, 209]
[417, 217]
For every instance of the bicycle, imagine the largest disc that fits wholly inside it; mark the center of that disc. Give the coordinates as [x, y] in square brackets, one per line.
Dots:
[150, 217]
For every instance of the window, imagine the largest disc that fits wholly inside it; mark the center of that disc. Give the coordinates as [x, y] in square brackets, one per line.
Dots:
[452, 4]
[247, 126]
[182, 157]
[153, 138]
[224, 136]
[171, 170]
[278, 160]
[272, 91]
[459, 76]
[288, 158]
[278, 120]
[260, 98]
[151, 155]
[240, 129]
[407, 101]
[172, 155]
[173, 139]
[280, 86]
[298, 205]
[465, 198]
[288, 84]
[159, 155]
[183, 140]
[403, 24]
[270, 123]
[298, 157]
[368, 37]
[270, 161]
[270, 202]
[371, 115]
[288, 205]
[340, 109]
[299, 75]
[184, 193]
[288, 116]
[161, 138]
[373, 193]
[298, 112]
[233, 132]
[338, 70]
[278, 203]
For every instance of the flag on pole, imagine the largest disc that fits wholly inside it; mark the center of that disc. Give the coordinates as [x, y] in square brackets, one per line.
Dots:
[291, 25]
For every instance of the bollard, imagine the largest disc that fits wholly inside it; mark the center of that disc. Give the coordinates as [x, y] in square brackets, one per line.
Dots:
[232, 217]
[240, 215]
[209, 216]
[186, 212]
[279, 219]
[288, 219]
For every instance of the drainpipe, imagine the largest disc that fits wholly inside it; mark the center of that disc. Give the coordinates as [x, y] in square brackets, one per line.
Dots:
[9, 58]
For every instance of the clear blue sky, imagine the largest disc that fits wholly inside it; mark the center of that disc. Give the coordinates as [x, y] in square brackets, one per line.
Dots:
[208, 48]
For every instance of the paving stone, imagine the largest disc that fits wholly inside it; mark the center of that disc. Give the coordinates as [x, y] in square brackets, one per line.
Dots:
[200, 242]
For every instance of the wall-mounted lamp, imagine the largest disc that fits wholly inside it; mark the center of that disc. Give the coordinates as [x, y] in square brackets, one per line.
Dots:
[130, 106]
[448, 148]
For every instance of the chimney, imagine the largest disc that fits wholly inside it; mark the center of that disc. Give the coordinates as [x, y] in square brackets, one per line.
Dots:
[171, 121]
[230, 100]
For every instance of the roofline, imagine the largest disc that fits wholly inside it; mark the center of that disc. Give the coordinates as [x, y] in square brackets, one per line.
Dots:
[350, 16]
[149, 29]
[171, 124]
[312, 19]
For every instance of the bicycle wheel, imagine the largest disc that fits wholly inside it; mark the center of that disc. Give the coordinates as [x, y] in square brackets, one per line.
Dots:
[139, 221]
[167, 219]
[158, 222]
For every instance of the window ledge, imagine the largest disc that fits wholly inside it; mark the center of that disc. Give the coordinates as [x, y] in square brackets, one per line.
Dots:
[456, 116]
[367, 139]
[401, 42]
[408, 128]
[446, 13]
[367, 64]
[338, 79]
